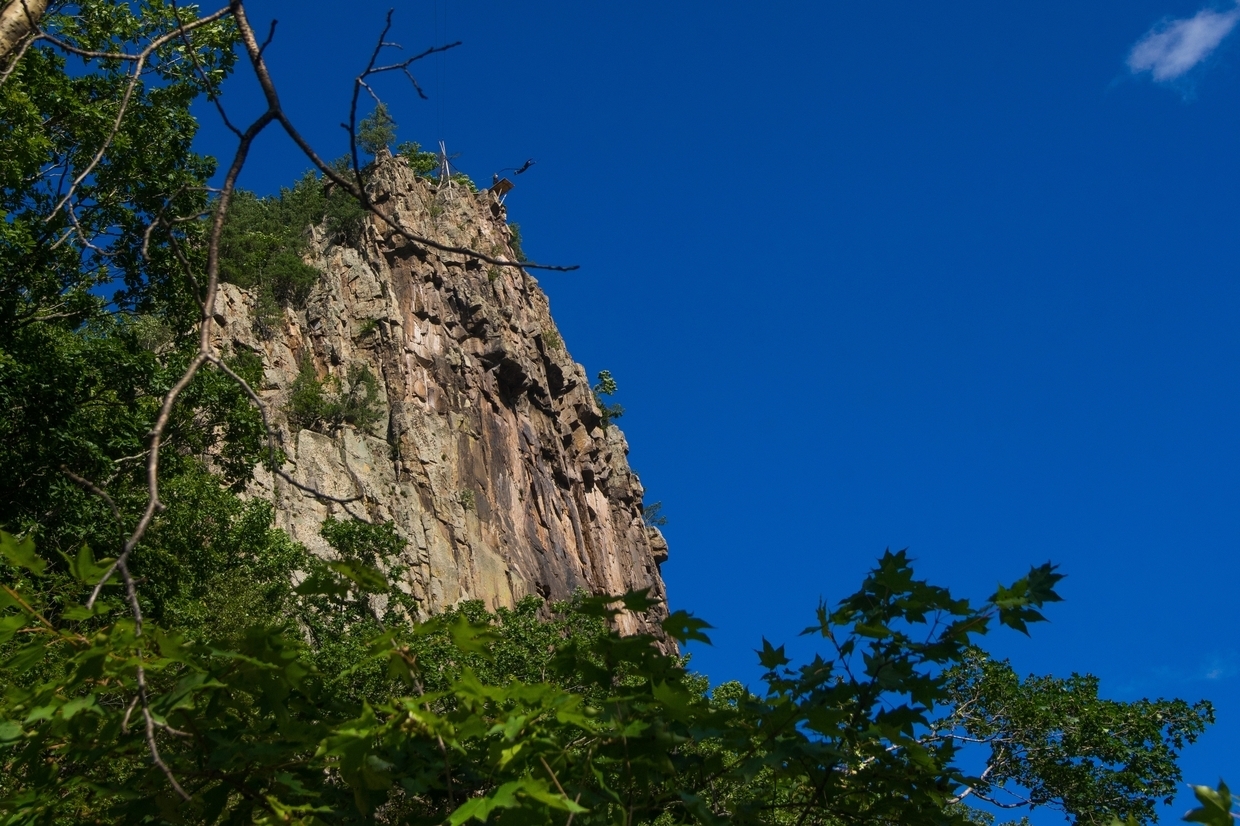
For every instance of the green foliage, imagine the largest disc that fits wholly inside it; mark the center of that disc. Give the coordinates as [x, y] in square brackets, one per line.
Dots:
[212, 565]
[83, 400]
[466, 498]
[362, 541]
[514, 241]
[1215, 808]
[347, 715]
[61, 247]
[424, 164]
[606, 386]
[81, 377]
[346, 603]
[377, 131]
[264, 242]
[465, 181]
[652, 515]
[551, 339]
[328, 403]
[344, 219]
[1040, 728]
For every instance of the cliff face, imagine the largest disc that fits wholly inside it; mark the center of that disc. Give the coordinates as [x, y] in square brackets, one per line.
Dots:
[490, 455]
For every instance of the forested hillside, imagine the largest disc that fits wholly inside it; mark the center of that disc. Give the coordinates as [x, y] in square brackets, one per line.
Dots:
[168, 655]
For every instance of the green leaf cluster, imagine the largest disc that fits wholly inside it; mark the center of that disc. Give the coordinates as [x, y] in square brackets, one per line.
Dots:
[423, 164]
[1056, 742]
[328, 403]
[606, 386]
[338, 709]
[514, 240]
[264, 244]
[377, 131]
[91, 207]
[1216, 806]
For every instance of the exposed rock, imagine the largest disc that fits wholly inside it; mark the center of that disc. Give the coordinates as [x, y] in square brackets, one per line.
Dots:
[491, 457]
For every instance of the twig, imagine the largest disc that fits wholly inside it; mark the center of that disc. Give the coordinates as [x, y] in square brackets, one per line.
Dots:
[16, 58]
[128, 712]
[91, 487]
[556, 781]
[16, 597]
[271, 445]
[124, 103]
[213, 94]
[271, 33]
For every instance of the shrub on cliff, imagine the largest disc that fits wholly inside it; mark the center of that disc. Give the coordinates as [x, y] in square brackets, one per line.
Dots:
[377, 131]
[327, 403]
[606, 386]
[265, 240]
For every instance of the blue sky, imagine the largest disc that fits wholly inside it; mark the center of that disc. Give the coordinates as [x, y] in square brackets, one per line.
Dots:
[954, 277]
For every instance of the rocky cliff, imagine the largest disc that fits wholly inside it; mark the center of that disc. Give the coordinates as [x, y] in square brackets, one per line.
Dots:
[490, 454]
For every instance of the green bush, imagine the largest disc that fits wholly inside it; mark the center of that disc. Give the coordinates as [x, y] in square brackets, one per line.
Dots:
[377, 131]
[344, 712]
[606, 386]
[326, 404]
[343, 217]
[465, 181]
[264, 242]
[514, 242]
[423, 164]
[652, 515]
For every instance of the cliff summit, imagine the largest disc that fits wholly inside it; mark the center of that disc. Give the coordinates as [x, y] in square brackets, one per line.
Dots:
[486, 447]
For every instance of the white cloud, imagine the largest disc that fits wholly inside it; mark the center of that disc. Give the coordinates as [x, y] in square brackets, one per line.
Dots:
[1173, 47]
[1220, 666]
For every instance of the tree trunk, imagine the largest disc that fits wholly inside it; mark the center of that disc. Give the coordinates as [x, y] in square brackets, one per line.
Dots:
[18, 19]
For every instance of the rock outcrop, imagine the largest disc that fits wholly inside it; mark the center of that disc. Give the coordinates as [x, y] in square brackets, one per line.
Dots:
[490, 456]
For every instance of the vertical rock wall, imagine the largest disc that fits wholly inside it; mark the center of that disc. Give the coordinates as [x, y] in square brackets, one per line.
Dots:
[490, 457]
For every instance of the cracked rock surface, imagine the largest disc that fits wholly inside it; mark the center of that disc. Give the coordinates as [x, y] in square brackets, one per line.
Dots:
[490, 457]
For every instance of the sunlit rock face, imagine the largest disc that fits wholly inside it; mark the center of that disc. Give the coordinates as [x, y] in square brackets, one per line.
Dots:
[490, 455]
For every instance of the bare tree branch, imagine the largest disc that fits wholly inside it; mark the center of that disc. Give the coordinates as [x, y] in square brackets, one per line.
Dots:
[213, 93]
[139, 63]
[90, 486]
[276, 110]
